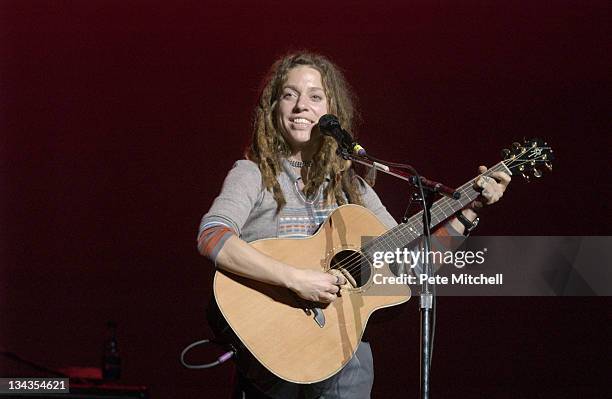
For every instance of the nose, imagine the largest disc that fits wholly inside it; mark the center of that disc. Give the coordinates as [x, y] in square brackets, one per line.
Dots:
[301, 104]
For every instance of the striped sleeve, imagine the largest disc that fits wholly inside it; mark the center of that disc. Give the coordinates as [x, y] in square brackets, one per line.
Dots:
[212, 237]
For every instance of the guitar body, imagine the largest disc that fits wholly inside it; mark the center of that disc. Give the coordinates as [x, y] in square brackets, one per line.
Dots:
[297, 340]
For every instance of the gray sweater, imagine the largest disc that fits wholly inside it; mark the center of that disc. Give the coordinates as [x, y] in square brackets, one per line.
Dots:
[250, 210]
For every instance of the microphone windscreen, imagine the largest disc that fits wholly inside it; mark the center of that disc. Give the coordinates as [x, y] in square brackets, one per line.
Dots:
[328, 122]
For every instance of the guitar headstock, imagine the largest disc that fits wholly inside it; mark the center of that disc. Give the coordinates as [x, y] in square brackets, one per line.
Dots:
[528, 158]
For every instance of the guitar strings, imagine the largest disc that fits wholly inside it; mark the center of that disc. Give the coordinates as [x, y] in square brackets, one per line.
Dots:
[350, 263]
[391, 238]
[413, 222]
[354, 262]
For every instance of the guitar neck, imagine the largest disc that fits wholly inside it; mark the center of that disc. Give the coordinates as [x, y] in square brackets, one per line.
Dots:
[405, 233]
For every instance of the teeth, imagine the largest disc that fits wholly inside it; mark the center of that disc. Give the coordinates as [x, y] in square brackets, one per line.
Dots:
[301, 120]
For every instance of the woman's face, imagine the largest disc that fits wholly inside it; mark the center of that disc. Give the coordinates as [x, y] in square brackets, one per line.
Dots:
[302, 102]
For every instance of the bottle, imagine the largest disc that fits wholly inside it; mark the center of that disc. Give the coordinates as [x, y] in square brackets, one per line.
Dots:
[111, 362]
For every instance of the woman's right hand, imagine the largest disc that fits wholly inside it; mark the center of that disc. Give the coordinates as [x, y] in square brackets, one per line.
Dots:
[240, 258]
[316, 286]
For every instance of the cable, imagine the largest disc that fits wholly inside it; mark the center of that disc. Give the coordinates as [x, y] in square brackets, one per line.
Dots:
[221, 359]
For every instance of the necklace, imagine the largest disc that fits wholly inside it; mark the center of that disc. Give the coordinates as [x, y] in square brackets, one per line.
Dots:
[299, 164]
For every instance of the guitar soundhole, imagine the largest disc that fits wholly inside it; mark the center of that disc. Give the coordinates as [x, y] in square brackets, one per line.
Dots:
[353, 266]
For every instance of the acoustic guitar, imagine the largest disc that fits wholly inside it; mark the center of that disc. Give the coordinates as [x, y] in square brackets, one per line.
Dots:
[305, 342]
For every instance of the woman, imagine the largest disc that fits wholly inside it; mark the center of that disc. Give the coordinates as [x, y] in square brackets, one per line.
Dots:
[292, 179]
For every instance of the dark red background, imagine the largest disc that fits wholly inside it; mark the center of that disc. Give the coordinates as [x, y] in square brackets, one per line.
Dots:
[121, 119]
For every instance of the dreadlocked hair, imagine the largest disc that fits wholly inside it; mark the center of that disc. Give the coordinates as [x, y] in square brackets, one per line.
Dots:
[269, 147]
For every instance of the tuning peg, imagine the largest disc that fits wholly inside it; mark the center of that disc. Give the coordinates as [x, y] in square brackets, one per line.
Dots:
[526, 177]
[548, 165]
[518, 148]
[505, 153]
[537, 173]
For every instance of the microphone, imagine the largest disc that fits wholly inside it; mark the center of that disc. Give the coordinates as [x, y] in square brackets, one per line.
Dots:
[330, 126]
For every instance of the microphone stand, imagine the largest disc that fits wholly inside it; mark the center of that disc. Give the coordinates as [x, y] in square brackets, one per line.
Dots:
[426, 188]
[427, 297]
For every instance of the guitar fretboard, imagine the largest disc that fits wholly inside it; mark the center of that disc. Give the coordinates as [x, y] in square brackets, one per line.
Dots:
[405, 233]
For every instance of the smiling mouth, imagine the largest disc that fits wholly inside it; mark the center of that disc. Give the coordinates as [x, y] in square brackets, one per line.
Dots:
[300, 121]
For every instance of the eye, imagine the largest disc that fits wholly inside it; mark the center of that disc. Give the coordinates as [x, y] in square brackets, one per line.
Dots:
[288, 95]
[317, 97]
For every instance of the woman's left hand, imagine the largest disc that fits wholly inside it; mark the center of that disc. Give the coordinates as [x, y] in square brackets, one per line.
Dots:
[491, 187]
